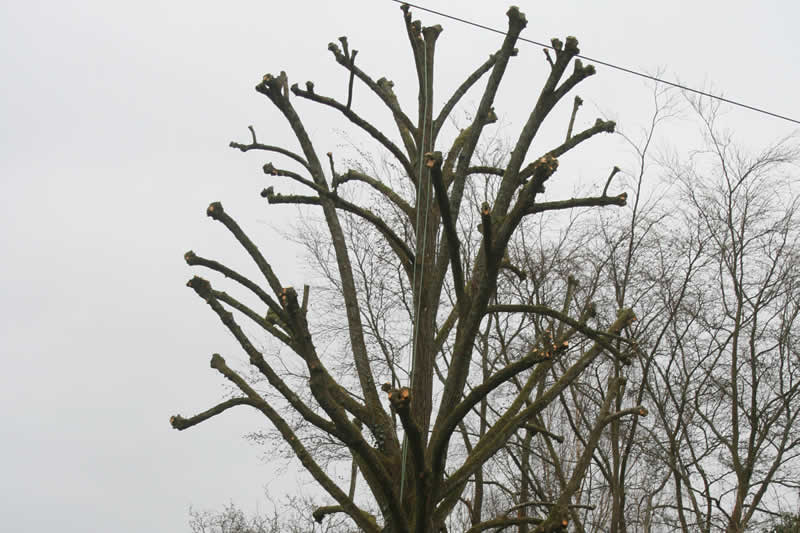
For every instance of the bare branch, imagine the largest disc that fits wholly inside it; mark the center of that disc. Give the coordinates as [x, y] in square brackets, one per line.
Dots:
[363, 519]
[204, 290]
[434, 162]
[498, 434]
[180, 423]
[575, 106]
[597, 201]
[462, 90]
[268, 148]
[396, 199]
[192, 259]
[382, 88]
[376, 134]
[216, 212]
[397, 244]
[608, 181]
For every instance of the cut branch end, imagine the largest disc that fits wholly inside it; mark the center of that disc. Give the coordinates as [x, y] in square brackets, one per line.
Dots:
[215, 210]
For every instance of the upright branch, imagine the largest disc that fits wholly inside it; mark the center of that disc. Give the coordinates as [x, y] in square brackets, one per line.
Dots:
[468, 326]
[575, 106]
[459, 93]
[486, 230]
[434, 162]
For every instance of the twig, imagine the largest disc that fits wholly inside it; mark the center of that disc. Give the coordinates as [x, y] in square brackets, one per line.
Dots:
[575, 107]
[608, 181]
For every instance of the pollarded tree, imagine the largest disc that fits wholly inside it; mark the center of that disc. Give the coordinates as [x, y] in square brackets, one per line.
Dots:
[413, 252]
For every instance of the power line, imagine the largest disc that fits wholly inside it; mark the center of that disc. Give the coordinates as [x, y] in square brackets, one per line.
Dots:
[606, 64]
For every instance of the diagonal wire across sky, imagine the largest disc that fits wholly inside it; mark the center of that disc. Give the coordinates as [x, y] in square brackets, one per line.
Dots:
[606, 64]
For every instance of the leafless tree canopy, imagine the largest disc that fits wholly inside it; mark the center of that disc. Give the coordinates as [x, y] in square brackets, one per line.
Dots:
[471, 358]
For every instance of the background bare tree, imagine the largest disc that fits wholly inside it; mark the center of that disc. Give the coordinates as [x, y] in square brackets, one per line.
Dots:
[708, 258]
[727, 374]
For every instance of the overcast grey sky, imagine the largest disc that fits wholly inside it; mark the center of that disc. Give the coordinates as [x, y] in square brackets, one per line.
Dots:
[115, 122]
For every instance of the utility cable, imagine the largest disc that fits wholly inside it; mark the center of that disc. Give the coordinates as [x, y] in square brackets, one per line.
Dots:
[607, 64]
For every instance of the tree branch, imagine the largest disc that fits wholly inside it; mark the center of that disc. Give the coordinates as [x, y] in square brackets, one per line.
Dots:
[633, 411]
[204, 290]
[548, 98]
[578, 102]
[400, 399]
[396, 199]
[195, 260]
[468, 325]
[363, 519]
[382, 89]
[285, 338]
[320, 513]
[434, 162]
[595, 201]
[486, 170]
[599, 127]
[397, 244]
[596, 335]
[180, 423]
[216, 212]
[498, 434]
[462, 90]
[413, 30]
[268, 148]
[276, 90]
[502, 523]
[483, 390]
[374, 132]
